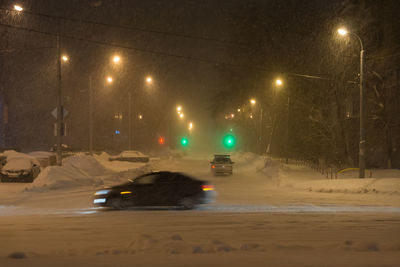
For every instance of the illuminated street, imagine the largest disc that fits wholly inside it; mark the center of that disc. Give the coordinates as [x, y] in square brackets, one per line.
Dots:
[254, 220]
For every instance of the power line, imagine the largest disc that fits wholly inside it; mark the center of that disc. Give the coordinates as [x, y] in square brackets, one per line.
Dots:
[141, 50]
[10, 50]
[131, 28]
[383, 57]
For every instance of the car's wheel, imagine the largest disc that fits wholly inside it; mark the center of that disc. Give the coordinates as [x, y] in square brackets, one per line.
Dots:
[115, 204]
[187, 203]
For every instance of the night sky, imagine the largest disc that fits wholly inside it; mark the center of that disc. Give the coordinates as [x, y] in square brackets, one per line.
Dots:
[196, 52]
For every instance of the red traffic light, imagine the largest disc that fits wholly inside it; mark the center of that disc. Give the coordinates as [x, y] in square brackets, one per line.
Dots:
[161, 140]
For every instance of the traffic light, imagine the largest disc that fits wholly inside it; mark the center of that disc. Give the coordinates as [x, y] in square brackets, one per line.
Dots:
[161, 140]
[184, 142]
[229, 141]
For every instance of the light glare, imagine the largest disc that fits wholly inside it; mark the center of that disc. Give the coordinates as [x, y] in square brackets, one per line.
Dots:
[18, 8]
[342, 31]
[117, 59]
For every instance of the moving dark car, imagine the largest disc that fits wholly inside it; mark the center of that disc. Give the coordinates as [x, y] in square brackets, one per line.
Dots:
[157, 189]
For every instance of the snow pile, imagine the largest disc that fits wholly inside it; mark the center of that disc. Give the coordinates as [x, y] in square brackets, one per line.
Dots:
[41, 154]
[248, 161]
[300, 177]
[86, 163]
[84, 170]
[79, 170]
[117, 166]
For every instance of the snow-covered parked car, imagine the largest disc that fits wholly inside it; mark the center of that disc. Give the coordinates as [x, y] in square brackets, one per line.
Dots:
[20, 169]
[130, 155]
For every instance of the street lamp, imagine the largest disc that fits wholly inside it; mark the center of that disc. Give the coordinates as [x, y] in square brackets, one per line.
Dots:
[149, 80]
[278, 82]
[362, 151]
[116, 59]
[181, 116]
[18, 8]
[190, 126]
[109, 79]
[252, 101]
[65, 58]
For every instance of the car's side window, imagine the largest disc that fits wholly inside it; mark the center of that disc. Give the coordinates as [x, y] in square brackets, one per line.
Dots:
[149, 179]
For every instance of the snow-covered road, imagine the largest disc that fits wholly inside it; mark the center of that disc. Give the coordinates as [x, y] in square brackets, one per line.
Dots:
[262, 217]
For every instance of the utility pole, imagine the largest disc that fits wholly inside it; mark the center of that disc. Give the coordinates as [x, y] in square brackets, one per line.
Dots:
[361, 155]
[90, 116]
[59, 108]
[288, 128]
[130, 120]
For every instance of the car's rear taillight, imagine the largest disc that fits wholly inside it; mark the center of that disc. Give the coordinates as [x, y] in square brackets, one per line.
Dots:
[207, 187]
[212, 166]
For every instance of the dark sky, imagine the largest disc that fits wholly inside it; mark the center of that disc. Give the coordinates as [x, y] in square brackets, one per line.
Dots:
[174, 41]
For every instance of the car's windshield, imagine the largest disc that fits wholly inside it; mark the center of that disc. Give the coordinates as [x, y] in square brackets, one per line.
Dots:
[222, 160]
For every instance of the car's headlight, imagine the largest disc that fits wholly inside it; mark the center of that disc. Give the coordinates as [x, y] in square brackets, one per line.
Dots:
[25, 172]
[102, 192]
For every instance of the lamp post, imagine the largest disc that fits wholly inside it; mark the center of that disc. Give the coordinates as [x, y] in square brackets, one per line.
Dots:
[131, 123]
[362, 151]
[59, 106]
[278, 83]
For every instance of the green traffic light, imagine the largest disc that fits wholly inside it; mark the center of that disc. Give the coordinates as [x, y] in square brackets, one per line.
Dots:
[229, 141]
[184, 141]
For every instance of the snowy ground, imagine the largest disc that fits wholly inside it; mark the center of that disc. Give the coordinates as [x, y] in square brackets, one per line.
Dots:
[278, 215]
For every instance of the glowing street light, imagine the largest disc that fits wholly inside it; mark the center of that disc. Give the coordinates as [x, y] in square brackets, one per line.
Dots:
[149, 79]
[116, 59]
[65, 58]
[279, 82]
[190, 126]
[181, 116]
[342, 31]
[179, 109]
[18, 8]
[140, 116]
[109, 79]
[252, 101]
[238, 110]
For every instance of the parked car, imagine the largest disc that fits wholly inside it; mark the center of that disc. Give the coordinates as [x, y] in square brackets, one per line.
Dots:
[221, 164]
[20, 169]
[131, 156]
[157, 189]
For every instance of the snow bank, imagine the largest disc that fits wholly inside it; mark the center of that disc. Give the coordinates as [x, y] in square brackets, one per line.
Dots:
[248, 161]
[86, 163]
[78, 170]
[300, 177]
[56, 177]
[84, 170]
[117, 166]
